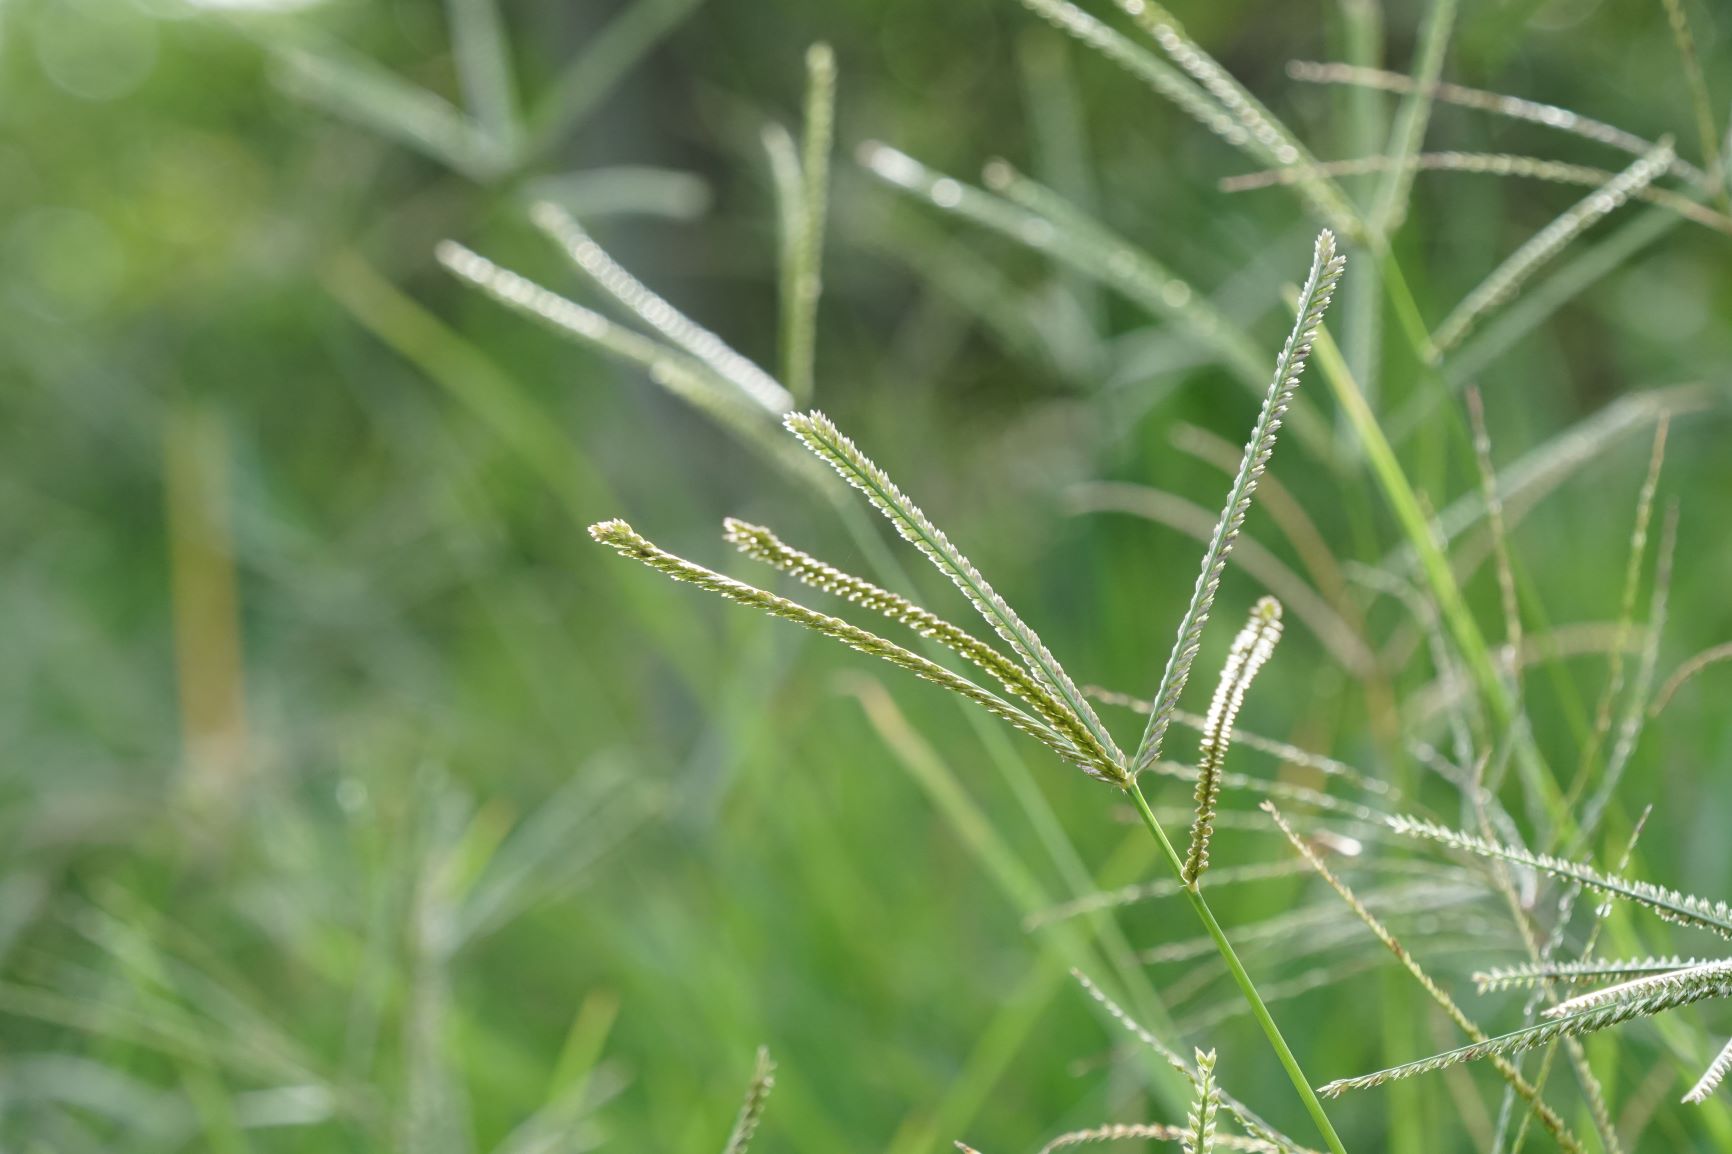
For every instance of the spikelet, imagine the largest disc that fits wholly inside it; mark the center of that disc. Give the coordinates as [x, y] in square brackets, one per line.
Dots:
[1251, 648]
[752, 1108]
[1670, 905]
[1199, 1135]
[763, 545]
[624, 539]
[1585, 972]
[1519, 1085]
[1247, 1119]
[821, 436]
[1576, 1025]
[1145, 1131]
[1711, 1077]
[1715, 973]
[1326, 268]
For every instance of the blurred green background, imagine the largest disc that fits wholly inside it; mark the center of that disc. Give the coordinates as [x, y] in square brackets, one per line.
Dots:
[351, 799]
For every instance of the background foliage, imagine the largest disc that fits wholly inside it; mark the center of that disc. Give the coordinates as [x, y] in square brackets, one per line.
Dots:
[351, 799]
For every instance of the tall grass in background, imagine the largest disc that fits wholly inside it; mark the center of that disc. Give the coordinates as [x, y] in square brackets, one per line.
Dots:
[1469, 799]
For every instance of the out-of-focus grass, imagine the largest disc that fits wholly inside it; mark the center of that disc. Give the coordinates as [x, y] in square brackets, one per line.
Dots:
[508, 829]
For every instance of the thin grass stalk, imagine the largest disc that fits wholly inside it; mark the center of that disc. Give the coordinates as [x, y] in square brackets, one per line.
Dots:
[1637, 553]
[1514, 107]
[1701, 103]
[1483, 164]
[803, 225]
[1248, 988]
[1410, 123]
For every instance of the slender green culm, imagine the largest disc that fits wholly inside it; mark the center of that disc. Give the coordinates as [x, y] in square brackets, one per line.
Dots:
[1326, 269]
[752, 1108]
[1408, 135]
[1250, 650]
[1700, 102]
[803, 192]
[821, 436]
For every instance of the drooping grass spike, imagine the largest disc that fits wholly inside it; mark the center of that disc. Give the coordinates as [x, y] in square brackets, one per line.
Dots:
[1251, 649]
[821, 436]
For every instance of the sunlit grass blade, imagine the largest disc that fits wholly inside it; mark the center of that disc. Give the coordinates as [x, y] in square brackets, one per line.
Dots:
[1040, 219]
[624, 190]
[1269, 136]
[1326, 268]
[1253, 647]
[828, 443]
[365, 94]
[593, 74]
[1408, 136]
[483, 60]
[687, 378]
[644, 303]
[1507, 279]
